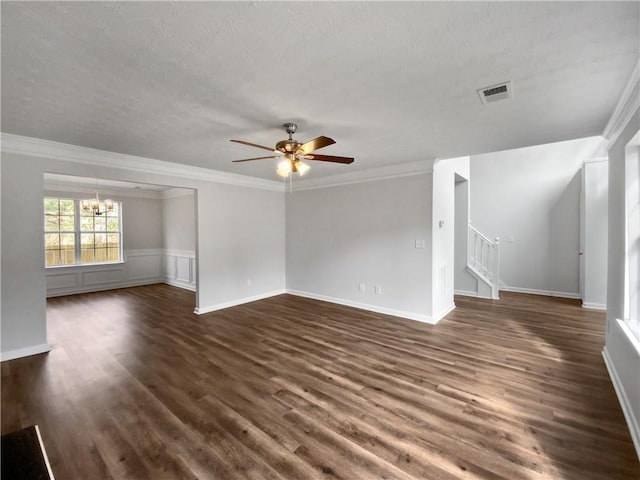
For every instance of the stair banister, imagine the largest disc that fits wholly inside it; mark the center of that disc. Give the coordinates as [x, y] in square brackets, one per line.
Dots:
[483, 258]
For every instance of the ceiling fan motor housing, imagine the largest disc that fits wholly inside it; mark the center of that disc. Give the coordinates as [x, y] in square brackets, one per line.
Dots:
[288, 146]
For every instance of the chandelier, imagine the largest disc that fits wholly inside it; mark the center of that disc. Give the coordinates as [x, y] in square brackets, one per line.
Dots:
[96, 206]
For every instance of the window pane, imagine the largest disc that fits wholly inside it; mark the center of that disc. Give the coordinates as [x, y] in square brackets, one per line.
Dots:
[51, 223]
[51, 241]
[86, 255]
[86, 223]
[100, 223]
[100, 255]
[114, 254]
[116, 210]
[51, 206]
[86, 240]
[113, 240]
[52, 258]
[101, 240]
[67, 223]
[67, 207]
[113, 224]
[67, 240]
[67, 256]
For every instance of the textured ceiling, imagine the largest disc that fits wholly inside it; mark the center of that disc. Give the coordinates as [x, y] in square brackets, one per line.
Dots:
[390, 82]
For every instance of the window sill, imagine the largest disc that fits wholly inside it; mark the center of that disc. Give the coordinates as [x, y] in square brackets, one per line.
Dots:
[83, 265]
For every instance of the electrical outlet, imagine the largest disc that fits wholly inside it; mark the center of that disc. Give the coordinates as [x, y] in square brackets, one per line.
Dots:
[362, 288]
[378, 290]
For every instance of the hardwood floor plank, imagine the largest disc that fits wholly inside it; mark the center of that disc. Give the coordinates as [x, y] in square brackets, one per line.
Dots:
[138, 387]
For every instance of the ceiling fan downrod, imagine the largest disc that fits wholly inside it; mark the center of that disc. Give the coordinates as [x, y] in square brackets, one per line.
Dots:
[290, 128]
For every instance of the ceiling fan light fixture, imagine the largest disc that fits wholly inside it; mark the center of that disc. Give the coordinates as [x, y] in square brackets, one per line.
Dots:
[301, 167]
[284, 168]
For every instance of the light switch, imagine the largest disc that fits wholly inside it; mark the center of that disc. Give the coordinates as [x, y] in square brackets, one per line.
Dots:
[421, 244]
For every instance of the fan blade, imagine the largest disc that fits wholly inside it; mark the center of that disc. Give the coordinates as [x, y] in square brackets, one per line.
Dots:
[256, 158]
[328, 158]
[316, 144]
[253, 145]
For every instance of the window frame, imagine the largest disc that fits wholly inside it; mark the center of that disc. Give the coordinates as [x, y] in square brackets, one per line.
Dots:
[77, 231]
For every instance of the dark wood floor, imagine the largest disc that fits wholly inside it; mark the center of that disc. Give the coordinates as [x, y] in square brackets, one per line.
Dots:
[138, 387]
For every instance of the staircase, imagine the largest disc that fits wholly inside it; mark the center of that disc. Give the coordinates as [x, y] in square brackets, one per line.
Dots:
[483, 260]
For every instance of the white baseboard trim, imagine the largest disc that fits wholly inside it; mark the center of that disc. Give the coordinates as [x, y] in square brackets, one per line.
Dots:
[24, 352]
[532, 291]
[233, 303]
[102, 288]
[632, 421]
[364, 306]
[594, 306]
[179, 284]
[466, 293]
[444, 312]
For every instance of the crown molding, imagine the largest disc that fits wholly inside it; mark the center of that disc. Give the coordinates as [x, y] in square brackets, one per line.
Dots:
[37, 147]
[368, 175]
[81, 191]
[177, 192]
[627, 105]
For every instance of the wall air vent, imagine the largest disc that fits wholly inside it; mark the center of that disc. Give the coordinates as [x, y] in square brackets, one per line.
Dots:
[495, 93]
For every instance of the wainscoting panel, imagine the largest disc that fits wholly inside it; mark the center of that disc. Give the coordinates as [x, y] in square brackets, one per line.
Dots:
[62, 280]
[140, 267]
[143, 266]
[180, 268]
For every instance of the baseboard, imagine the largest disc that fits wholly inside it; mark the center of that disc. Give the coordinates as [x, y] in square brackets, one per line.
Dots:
[632, 421]
[102, 288]
[179, 284]
[444, 312]
[234, 303]
[594, 306]
[465, 293]
[364, 306]
[24, 352]
[547, 293]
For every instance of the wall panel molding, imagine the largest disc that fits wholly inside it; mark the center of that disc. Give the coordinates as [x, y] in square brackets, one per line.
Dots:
[140, 267]
[179, 268]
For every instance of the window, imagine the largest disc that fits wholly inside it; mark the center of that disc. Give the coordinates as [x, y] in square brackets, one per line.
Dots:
[73, 236]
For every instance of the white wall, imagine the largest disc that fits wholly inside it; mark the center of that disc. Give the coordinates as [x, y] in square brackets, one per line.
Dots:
[240, 230]
[179, 238]
[443, 232]
[595, 182]
[530, 198]
[341, 236]
[142, 221]
[24, 330]
[179, 220]
[240, 245]
[623, 358]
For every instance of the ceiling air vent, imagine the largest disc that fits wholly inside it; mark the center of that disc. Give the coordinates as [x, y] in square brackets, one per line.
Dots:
[495, 93]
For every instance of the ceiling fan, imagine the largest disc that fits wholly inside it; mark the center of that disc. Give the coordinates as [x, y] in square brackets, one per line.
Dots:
[295, 152]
